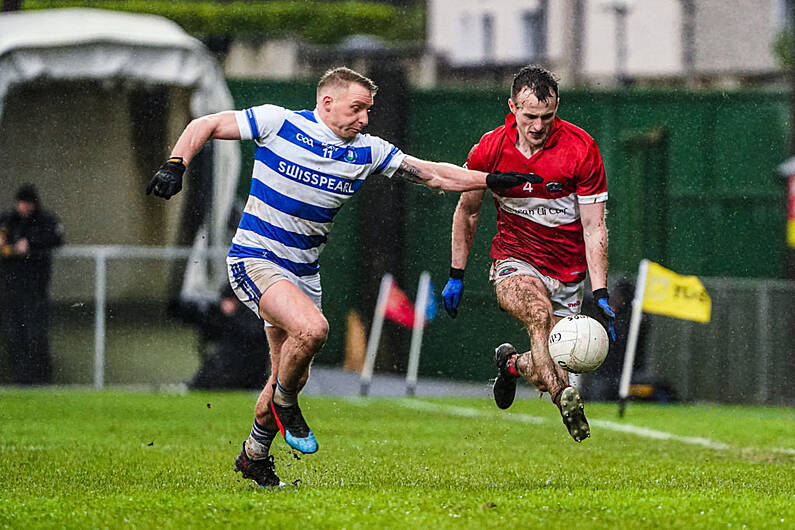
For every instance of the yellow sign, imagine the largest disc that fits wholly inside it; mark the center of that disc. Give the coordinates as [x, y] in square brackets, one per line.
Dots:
[674, 295]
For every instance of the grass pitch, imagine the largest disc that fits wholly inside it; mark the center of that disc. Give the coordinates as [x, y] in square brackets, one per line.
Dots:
[84, 459]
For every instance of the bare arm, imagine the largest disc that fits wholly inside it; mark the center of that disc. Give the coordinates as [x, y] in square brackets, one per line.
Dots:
[167, 182]
[220, 126]
[440, 175]
[465, 224]
[595, 234]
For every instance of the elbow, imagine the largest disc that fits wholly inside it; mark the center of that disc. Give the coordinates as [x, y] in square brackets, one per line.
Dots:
[203, 127]
[595, 233]
[196, 123]
[432, 179]
[437, 184]
[593, 226]
[455, 185]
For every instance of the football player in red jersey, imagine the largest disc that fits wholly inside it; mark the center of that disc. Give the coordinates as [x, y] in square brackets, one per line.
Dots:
[548, 236]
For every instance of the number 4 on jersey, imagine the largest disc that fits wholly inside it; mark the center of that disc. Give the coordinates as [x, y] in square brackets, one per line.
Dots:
[527, 187]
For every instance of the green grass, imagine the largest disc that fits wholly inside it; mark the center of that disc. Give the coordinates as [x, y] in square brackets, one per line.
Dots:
[80, 459]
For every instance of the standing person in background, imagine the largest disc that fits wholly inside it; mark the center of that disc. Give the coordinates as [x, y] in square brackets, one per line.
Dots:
[28, 234]
[308, 164]
[549, 234]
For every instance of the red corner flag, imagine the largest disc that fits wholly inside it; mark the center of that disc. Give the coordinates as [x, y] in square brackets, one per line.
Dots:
[398, 307]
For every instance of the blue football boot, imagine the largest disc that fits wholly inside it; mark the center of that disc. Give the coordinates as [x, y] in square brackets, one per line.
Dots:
[296, 432]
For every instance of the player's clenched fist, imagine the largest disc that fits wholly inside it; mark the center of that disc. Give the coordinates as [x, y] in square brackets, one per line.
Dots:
[606, 315]
[451, 295]
[167, 182]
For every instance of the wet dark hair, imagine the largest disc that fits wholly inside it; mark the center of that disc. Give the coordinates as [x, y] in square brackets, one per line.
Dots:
[27, 193]
[540, 81]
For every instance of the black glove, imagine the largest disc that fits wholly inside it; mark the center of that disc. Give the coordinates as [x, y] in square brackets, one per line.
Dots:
[605, 314]
[509, 179]
[167, 182]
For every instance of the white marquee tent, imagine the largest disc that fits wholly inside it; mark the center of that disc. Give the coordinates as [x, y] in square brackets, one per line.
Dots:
[91, 44]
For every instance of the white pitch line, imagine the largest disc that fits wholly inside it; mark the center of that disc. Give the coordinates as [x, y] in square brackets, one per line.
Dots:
[465, 411]
[643, 432]
[659, 435]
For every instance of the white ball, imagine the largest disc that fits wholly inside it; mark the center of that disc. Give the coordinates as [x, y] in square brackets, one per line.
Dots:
[578, 344]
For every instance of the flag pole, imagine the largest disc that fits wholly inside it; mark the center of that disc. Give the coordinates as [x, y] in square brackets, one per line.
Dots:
[375, 335]
[632, 339]
[420, 308]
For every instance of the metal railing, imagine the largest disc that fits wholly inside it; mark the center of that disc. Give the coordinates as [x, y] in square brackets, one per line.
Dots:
[101, 254]
[745, 354]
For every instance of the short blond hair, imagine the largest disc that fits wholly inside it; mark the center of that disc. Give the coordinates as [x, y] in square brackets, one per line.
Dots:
[342, 76]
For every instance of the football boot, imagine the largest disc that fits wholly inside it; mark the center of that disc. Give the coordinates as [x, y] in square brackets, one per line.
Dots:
[505, 384]
[260, 471]
[293, 427]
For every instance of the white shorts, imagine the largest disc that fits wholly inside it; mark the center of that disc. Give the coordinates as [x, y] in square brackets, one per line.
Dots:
[250, 277]
[566, 298]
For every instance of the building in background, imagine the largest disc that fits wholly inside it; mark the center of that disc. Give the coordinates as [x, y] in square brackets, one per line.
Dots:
[605, 43]
[608, 42]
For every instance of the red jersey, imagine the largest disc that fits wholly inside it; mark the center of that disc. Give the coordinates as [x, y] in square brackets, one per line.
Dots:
[540, 223]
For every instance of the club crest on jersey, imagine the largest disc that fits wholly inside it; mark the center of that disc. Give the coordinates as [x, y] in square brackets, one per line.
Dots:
[506, 271]
[350, 156]
[554, 187]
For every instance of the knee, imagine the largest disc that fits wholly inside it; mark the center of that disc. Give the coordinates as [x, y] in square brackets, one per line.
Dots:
[313, 335]
[539, 317]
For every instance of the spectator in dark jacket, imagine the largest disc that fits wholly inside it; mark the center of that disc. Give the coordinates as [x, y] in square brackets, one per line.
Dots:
[28, 234]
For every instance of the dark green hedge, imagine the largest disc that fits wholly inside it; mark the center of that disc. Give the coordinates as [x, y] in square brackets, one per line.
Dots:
[315, 22]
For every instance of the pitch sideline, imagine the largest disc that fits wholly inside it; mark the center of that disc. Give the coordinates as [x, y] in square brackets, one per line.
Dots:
[643, 432]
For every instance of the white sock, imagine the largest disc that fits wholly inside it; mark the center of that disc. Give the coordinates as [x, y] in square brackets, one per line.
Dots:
[256, 450]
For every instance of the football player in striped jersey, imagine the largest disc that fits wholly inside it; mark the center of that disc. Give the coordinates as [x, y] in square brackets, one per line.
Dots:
[308, 163]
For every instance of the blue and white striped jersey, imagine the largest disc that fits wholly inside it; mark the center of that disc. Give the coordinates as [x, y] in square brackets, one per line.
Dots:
[303, 174]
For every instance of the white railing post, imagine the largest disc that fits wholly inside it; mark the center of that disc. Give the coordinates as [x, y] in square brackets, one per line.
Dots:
[100, 286]
[763, 341]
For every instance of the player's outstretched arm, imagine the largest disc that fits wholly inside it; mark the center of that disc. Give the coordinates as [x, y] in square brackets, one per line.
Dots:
[167, 182]
[465, 224]
[441, 175]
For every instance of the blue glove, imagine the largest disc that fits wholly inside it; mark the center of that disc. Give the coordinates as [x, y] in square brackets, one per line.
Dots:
[606, 315]
[451, 295]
